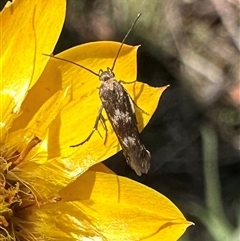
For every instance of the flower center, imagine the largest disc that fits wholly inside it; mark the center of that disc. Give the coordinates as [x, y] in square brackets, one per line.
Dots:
[16, 196]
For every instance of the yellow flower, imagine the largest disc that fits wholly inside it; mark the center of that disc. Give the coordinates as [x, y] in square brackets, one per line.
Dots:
[47, 191]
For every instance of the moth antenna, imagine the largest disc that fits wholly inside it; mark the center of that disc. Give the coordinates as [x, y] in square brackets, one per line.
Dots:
[115, 60]
[69, 61]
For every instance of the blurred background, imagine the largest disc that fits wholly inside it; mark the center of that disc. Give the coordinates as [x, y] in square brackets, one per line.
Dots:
[193, 136]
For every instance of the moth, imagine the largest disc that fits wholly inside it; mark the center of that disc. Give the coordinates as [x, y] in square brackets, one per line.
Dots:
[120, 111]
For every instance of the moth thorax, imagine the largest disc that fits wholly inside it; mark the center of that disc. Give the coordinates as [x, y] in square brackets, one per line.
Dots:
[106, 75]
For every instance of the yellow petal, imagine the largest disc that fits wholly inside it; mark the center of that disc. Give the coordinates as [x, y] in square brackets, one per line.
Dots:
[38, 126]
[47, 113]
[78, 117]
[63, 221]
[6, 114]
[115, 208]
[100, 167]
[48, 84]
[21, 58]
[48, 177]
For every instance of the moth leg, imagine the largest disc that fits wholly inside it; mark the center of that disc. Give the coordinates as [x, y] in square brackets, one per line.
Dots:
[130, 97]
[121, 81]
[95, 127]
[103, 120]
[132, 101]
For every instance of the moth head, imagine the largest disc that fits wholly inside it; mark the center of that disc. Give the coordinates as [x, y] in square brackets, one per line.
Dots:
[106, 75]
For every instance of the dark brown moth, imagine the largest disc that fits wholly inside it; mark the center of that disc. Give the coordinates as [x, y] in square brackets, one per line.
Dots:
[120, 111]
[119, 108]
